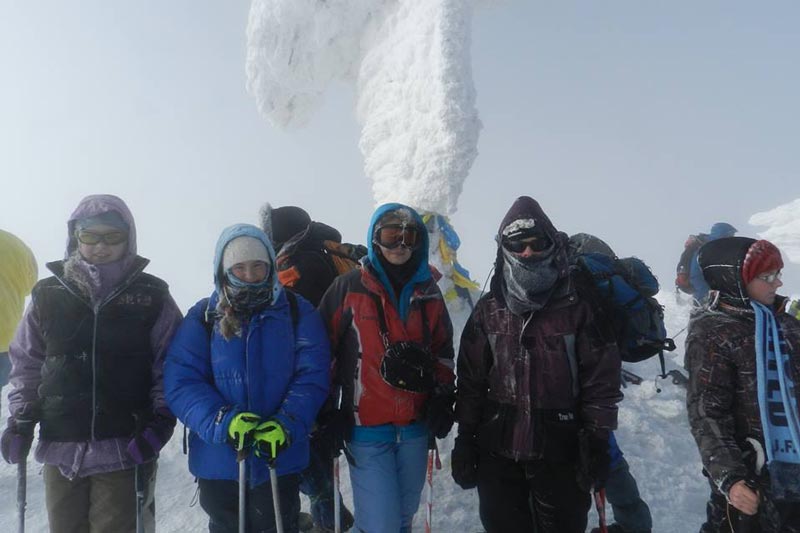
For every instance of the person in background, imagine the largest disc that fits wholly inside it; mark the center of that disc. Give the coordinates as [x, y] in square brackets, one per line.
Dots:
[719, 230]
[631, 512]
[392, 345]
[87, 362]
[308, 270]
[18, 274]
[538, 387]
[246, 373]
[742, 400]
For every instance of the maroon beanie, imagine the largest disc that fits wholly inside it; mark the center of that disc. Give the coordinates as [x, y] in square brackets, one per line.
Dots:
[762, 256]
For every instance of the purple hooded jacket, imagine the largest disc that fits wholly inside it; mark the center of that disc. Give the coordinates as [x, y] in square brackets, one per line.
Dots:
[79, 459]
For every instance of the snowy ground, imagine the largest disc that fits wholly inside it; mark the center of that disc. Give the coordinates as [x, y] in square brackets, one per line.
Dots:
[653, 433]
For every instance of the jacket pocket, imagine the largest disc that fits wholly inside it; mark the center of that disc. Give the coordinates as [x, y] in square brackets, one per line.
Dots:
[496, 430]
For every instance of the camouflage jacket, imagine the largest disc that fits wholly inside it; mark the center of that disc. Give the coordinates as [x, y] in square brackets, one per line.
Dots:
[722, 398]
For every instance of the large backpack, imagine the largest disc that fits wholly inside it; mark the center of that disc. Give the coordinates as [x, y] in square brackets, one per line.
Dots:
[317, 249]
[683, 270]
[622, 292]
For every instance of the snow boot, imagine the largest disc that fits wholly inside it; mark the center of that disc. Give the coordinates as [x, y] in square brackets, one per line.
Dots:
[616, 528]
[305, 522]
[347, 523]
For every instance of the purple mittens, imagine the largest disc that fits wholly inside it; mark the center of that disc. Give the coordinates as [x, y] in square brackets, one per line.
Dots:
[16, 440]
[145, 445]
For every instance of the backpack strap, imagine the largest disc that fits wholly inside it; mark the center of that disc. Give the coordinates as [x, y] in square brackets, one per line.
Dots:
[426, 333]
[294, 309]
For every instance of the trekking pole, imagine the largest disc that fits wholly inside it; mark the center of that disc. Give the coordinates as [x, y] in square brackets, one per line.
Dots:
[22, 489]
[241, 457]
[433, 451]
[600, 505]
[138, 483]
[276, 499]
[337, 502]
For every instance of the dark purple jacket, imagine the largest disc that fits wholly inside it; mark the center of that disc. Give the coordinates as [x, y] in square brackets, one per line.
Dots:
[528, 384]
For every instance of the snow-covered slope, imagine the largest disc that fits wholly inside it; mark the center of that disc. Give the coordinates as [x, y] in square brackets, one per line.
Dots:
[653, 433]
[783, 228]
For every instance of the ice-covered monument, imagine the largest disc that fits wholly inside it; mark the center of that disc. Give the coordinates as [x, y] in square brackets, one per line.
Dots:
[783, 228]
[409, 61]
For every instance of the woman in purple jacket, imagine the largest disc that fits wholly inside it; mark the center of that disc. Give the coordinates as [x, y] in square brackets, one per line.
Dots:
[87, 365]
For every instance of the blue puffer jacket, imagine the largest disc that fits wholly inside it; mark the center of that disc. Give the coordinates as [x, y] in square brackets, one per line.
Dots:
[273, 370]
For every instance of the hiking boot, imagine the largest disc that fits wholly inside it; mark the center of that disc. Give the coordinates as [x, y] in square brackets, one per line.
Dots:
[616, 528]
[305, 522]
[347, 523]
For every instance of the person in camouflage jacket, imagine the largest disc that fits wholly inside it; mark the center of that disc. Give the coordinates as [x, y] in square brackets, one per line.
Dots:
[722, 396]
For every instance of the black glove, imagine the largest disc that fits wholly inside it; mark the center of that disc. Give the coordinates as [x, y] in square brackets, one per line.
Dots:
[333, 429]
[595, 460]
[438, 413]
[464, 462]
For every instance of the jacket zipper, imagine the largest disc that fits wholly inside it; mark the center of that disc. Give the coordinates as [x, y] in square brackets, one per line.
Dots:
[96, 313]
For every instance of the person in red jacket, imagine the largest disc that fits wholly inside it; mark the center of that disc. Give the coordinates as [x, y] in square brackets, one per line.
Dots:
[538, 387]
[392, 346]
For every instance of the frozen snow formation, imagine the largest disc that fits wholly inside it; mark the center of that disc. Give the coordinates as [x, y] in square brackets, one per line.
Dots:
[783, 228]
[410, 63]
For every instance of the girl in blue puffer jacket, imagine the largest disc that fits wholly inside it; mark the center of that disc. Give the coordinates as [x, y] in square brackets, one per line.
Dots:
[248, 371]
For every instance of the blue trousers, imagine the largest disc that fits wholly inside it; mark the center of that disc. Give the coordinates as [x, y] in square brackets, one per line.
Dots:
[387, 479]
[630, 511]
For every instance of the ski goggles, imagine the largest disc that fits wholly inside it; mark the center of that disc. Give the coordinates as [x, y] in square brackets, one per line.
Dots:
[111, 238]
[771, 278]
[395, 235]
[537, 244]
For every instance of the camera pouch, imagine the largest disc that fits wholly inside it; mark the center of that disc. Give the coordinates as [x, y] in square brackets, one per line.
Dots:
[408, 366]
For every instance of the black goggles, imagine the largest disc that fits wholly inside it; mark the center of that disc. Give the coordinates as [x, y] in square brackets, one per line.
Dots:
[538, 243]
[395, 235]
[111, 238]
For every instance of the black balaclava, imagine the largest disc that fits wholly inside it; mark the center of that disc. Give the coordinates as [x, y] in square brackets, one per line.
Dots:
[527, 284]
[721, 261]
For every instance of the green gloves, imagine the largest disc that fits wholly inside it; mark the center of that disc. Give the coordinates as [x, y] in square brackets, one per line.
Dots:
[270, 440]
[241, 428]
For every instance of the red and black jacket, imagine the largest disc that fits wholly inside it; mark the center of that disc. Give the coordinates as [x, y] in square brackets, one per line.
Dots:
[350, 313]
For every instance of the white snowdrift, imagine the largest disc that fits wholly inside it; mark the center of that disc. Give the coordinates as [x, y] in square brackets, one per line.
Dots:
[783, 228]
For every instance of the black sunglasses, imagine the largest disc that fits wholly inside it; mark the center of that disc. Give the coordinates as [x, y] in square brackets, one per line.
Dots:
[111, 238]
[538, 244]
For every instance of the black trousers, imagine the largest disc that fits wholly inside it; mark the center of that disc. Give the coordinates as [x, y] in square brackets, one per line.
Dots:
[523, 497]
[220, 499]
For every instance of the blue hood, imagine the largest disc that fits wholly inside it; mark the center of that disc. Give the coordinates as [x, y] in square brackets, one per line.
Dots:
[244, 230]
[420, 255]
[721, 230]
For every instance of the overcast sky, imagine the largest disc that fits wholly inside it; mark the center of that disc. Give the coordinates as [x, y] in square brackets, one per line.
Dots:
[639, 122]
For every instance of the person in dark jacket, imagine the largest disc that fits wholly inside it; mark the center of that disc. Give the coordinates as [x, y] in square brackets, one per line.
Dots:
[742, 404]
[247, 372]
[87, 367]
[392, 343]
[631, 513]
[309, 273]
[538, 387]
